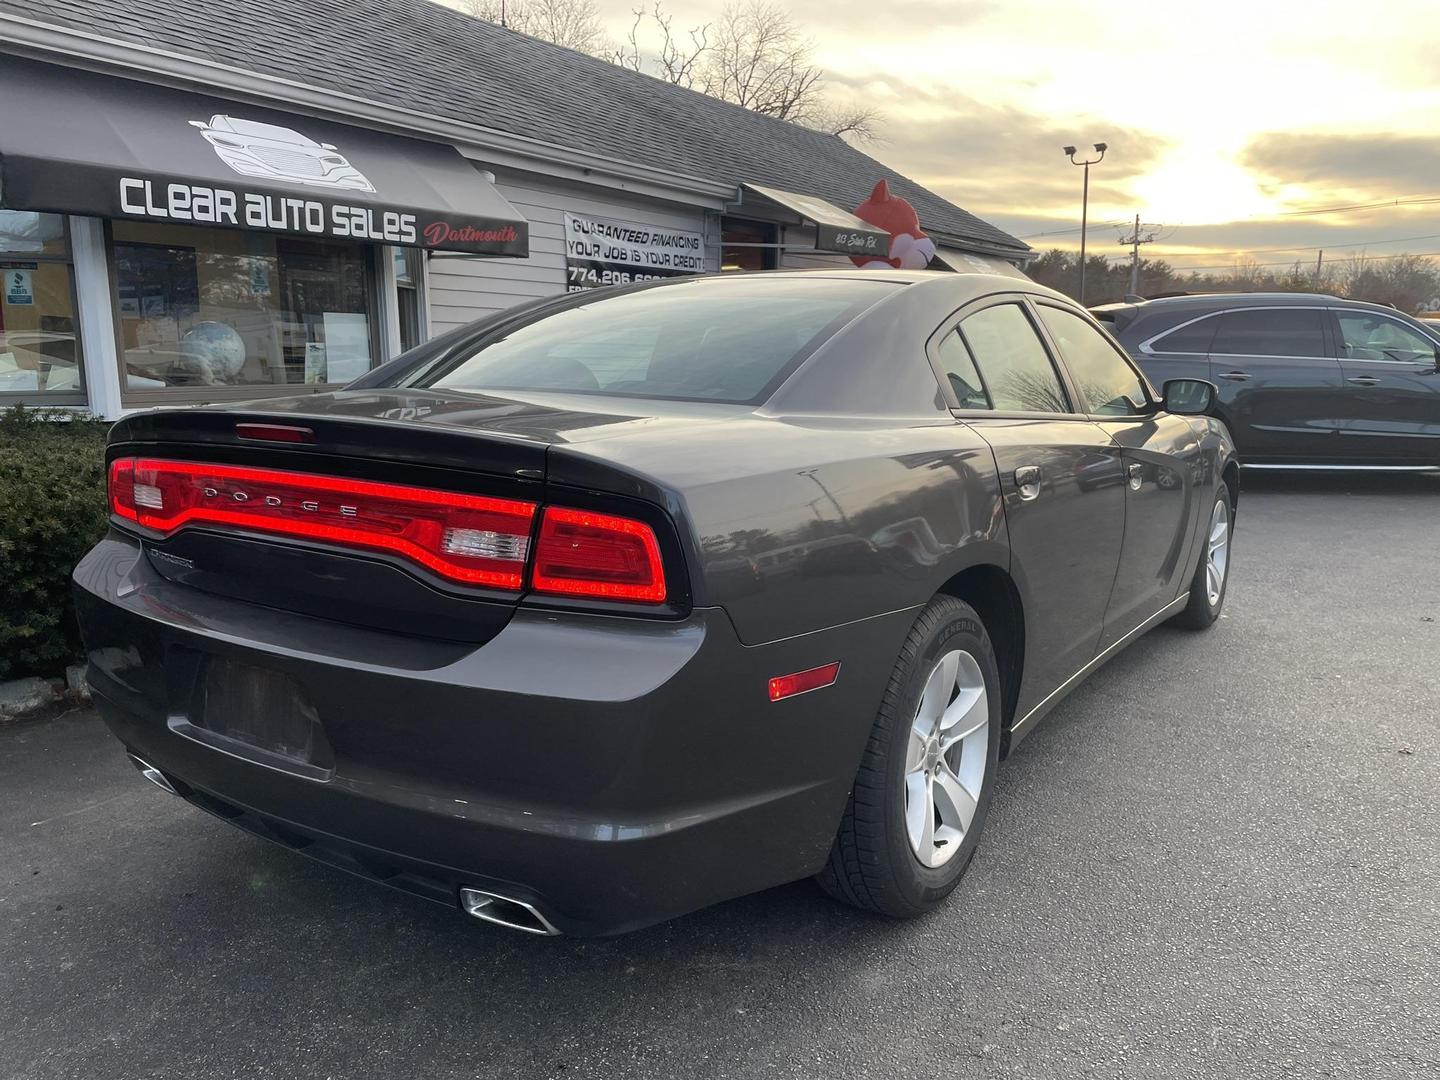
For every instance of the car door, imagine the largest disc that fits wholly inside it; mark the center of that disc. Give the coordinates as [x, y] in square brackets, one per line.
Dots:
[1280, 384]
[1162, 459]
[1391, 389]
[1061, 477]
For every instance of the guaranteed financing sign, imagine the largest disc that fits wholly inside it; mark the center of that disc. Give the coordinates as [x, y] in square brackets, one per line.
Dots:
[600, 252]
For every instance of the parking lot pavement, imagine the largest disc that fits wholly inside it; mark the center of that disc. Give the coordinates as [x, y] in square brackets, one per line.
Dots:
[1220, 857]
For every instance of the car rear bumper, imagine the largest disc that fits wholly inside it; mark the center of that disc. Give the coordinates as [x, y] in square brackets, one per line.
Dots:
[612, 772]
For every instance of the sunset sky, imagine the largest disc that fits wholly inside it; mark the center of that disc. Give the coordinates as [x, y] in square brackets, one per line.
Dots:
[1225, 120]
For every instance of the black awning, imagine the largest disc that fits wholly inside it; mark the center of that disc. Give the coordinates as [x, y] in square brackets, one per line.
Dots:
[78, 142]
[836, 230]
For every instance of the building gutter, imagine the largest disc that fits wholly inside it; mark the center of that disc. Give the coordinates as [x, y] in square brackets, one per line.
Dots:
[70, 47]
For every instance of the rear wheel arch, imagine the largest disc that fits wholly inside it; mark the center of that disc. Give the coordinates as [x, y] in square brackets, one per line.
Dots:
[992, 592]
[1231, 476]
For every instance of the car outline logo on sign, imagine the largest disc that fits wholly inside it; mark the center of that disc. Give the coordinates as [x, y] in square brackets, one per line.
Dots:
[252, 148]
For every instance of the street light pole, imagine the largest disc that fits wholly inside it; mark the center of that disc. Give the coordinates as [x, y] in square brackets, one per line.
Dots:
[1085, 203]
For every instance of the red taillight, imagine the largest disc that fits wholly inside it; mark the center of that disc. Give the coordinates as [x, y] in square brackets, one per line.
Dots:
[122, 488]
[471, 539]
[597, 555]
[783, 686]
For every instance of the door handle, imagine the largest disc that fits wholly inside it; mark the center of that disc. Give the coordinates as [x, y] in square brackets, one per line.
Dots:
[1027, 479]
[1136, 473]
[1234, 376]
[1364, 380]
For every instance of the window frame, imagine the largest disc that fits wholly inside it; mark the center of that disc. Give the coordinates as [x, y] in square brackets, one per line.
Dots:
[204, 395]
[1338, 336]
[1150, 406]
[952, 325]
[1328, 346]
[54, 398]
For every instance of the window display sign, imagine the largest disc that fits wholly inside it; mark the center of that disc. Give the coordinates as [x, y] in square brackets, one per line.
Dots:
[600, 252]
[19, 291]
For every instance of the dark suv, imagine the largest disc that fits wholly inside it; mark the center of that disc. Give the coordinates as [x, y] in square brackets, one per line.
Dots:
[1306, 381]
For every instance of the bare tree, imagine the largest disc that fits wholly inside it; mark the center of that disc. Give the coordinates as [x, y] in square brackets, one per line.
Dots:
[753, 55]
[759, 60]
[572, 23]
[677, 62]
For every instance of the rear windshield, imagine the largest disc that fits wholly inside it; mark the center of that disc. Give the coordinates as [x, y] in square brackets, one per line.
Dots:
[728, 339]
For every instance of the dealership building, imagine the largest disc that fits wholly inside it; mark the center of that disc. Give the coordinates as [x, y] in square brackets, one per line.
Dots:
[243, 198]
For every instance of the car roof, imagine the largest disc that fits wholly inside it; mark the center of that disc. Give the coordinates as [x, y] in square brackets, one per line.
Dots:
[1208, 301]
[962, 287]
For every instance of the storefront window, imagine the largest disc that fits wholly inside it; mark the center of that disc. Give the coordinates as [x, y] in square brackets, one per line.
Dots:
[39, 349]
[407, 287]
[737, 250]
[213, 308]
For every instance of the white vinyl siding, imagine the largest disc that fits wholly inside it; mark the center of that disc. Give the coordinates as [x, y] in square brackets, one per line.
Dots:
[464, 288]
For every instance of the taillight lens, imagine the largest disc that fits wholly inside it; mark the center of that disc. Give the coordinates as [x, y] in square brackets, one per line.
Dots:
[122, 488]
[472, 539]
[586, 554]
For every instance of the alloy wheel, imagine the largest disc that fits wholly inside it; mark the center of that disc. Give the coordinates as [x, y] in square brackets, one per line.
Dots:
[1217, 551]
[945, 758]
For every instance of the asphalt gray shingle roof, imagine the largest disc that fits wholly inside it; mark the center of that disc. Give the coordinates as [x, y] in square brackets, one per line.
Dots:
[420, 56]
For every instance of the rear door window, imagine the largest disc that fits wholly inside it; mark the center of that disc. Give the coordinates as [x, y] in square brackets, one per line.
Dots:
[1294, 332]
[1194, 337]
[958, 369]
[1013, 362]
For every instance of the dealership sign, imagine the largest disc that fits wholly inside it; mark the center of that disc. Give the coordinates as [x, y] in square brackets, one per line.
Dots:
[601, 251]
[82, 143]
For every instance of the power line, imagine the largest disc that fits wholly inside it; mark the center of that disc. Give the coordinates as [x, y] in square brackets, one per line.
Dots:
[1349, 208]
[1067, 232]
[1297, 247]
[1291, 262]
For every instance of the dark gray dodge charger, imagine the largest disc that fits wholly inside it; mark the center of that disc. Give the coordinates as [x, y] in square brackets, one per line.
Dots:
[622, 603]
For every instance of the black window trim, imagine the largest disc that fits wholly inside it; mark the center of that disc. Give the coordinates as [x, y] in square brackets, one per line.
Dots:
[1150, 406]
[952, 325]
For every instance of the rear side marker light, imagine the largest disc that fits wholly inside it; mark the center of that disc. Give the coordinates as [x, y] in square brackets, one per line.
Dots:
[586, 554]
[471, 539]
[802, 682]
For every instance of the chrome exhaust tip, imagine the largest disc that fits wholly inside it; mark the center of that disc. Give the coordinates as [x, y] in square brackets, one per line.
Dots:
[151, 773]
[505, 911]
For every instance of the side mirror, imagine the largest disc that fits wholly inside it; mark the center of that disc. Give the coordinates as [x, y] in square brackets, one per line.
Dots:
[1188, 397]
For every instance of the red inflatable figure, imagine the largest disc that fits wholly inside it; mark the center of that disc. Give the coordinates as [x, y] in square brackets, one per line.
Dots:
[910, 248]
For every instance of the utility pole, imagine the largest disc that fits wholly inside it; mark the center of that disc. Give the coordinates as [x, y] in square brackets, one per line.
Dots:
[1319, 265]
[1133, 242]
[1100, 147]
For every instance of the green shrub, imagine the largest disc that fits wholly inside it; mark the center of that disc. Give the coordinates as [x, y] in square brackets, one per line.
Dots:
[52, 510]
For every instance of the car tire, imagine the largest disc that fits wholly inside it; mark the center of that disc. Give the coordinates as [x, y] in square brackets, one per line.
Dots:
[1206, 601]
[876, 861]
